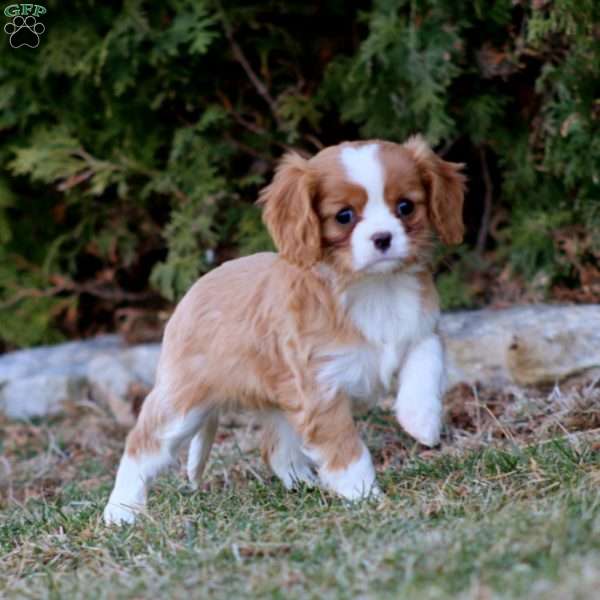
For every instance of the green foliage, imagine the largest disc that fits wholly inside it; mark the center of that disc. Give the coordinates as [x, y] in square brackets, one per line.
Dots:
[398, 81]
[453, 290]
[137, 135]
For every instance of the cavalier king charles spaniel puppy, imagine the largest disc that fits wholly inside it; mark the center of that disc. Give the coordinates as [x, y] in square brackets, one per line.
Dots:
[345, 311]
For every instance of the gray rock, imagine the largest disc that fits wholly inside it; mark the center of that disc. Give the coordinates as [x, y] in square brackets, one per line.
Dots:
[523, 345]
[72, 357]
[109, 380]
[40, 395]
[39, 381]
[142, 361]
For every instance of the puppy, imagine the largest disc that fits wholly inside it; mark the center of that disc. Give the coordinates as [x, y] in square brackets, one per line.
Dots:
[345, 311]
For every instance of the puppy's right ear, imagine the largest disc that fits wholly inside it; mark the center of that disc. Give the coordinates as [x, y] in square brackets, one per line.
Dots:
[288, 212]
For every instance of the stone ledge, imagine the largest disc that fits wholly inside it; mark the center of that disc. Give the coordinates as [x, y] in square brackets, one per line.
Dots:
[523, 345]
[39, 381]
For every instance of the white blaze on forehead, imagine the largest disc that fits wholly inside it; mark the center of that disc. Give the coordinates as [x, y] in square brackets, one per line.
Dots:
[363, 167]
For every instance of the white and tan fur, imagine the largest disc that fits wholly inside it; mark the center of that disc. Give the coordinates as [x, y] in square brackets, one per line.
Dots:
[344, 312]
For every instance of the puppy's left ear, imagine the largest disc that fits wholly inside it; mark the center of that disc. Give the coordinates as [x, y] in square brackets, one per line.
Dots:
[288, 212]
[446, 189]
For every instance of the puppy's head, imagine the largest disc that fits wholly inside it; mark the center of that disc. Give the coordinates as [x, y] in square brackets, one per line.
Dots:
[364, 207]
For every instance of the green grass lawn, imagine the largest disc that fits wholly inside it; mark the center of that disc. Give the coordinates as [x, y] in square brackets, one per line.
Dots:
[507, 507]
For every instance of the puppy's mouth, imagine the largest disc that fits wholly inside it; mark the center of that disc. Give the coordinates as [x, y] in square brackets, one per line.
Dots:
[383, 264]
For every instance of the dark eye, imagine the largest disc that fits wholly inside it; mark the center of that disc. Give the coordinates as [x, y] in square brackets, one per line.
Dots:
[405, 207]
[345, 216]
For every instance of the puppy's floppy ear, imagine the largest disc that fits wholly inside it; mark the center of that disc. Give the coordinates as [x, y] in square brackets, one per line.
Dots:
[446, 188]
[288, 212]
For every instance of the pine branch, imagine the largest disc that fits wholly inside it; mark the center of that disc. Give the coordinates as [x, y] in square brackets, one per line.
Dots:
[68, 286]
[240, 57]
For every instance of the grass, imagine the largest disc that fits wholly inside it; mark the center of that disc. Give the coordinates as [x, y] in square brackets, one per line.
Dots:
[507, 507]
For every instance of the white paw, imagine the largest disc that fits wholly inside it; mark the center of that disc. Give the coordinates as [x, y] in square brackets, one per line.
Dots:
[424, 426]
[296, 473]
[356, 481]
[118, 514]
[356, 494]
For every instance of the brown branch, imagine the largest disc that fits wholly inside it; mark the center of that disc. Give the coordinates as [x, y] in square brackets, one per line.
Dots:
[114, 294]
[487, 203]
[74, 180]
[31, 293]
[179, 194]
[143, 170]
[111, 293]
[228, 106]
[247, 124]
[248, 149]
[252, 127]
[125, 165]
[316, 142]
[240, 57]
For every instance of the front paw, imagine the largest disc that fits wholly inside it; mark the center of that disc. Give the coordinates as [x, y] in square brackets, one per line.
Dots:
[354, 482]
[119, 514]
[358, 494]
[424, 425]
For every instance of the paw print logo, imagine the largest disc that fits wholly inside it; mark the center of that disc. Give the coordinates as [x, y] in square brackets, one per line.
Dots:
[24, 31]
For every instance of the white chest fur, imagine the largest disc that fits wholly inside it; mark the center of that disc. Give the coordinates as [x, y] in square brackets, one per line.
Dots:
[388, 312]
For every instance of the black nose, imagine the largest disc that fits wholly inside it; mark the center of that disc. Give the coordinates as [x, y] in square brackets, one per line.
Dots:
[382, 240]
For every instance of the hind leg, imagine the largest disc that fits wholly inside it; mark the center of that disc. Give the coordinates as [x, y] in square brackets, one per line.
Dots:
[282, 451]
[151, 446]
[200, 447]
